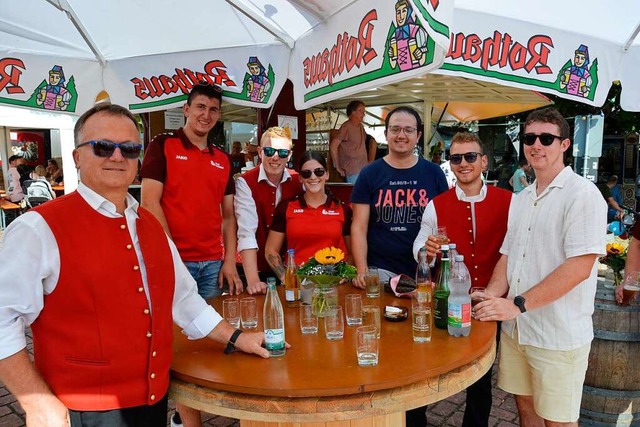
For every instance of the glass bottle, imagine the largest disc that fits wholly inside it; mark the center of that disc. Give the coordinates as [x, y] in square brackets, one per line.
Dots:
[422, 304]
[273, 321]
[291, 283]
[441, 294]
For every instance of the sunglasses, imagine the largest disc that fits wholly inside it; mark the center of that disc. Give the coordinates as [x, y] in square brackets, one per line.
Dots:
[306, 174]
[546, 139]
[101, 148]
[283, 153]
[215, 87]
[470, 157]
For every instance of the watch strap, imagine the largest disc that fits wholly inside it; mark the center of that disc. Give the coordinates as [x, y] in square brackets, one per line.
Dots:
[231, 345]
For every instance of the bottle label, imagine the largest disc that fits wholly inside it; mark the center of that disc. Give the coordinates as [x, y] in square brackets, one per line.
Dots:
[274, 339]
[459, 315]
[289, 295]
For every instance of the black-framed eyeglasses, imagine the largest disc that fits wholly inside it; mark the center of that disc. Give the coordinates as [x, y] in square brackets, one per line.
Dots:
[104, 148]
[469, 157]
[546, 139]
[408, 130]
[306, 173]
[283, 153]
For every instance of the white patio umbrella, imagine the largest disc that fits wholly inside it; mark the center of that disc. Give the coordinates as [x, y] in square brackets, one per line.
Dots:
[573, 49]
[59, 55]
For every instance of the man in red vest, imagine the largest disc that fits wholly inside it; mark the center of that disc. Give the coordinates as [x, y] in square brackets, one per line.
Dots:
[100, 284]
[258, 192]
[475, 216]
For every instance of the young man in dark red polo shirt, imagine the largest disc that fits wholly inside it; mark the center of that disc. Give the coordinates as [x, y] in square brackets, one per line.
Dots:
[185, 178]
[475, 215]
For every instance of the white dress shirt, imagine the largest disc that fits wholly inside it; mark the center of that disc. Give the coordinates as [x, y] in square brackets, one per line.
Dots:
[429, 224]
[245, 208]
[568, 219]
[30, 269]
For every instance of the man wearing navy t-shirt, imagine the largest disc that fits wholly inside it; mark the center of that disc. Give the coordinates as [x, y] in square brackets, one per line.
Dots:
[388, 201]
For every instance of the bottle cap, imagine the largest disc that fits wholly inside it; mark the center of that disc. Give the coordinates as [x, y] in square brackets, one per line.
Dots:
[271, 281]
[444, 247]
[452, 245]
[459, 258]
[290, 251]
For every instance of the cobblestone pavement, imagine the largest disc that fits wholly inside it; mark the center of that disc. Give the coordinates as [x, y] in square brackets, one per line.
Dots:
[448, 412]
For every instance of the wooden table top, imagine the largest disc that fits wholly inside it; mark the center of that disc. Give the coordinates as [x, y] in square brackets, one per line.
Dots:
[315, 366]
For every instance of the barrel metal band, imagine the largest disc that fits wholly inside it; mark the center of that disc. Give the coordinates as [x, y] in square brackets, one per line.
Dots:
[616, 336]
[618, 308]
[624, 394]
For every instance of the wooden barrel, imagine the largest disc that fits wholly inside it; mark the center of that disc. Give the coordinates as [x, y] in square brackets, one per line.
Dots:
[611, 392]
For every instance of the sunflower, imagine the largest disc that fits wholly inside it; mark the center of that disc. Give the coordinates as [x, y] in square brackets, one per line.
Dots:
[614, 248]
[328, 256]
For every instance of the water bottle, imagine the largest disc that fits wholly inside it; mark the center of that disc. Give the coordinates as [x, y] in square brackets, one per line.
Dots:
[441, 294]
[291, 283]
[459, 305]
[273, 320]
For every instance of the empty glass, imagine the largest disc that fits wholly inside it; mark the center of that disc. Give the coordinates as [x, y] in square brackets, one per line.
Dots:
[231, 311]
[334, 324]
[248, 313]
[353, 307]
[367, 345]
[308, 320]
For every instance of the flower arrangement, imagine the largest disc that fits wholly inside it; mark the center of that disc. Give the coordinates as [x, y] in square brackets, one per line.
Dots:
[325, 269]
[615, 258]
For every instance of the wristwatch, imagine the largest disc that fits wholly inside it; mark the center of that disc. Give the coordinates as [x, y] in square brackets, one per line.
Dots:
[231, 345]
[519, 302]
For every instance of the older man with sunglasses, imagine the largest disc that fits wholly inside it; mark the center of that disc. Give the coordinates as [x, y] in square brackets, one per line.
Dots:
[555, 234]
[475, 216]
[100, 284]
[258, 192]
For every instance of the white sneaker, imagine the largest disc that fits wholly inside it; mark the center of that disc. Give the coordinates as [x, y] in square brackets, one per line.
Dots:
[176, 421]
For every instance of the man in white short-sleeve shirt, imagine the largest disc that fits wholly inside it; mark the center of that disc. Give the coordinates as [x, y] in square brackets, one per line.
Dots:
[555, 233]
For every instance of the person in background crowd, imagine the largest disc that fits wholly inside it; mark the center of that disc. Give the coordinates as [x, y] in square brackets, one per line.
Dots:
[348, 149]
[475, 216]
[258, 192]
[251, 153]
[612, 194]
[633, 259]
[388, 201]
[311, 221]
[85, 313]
[237, 157]
[555, 234]
[14, 189]
[518, 180]
[54, 173]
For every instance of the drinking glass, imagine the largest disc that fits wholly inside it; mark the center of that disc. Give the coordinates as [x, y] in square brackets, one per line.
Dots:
[334, 324]
[631, 287]
[371, 317]
[231, 311]
[441, 235]
[477, 295]
[353, 304]
[372, 280]
[308, 320]
[367, 346]
[248, 313]
[421, 320]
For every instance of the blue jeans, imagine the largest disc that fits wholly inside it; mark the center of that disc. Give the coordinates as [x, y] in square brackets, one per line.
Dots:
[206, 274]
[351, 179]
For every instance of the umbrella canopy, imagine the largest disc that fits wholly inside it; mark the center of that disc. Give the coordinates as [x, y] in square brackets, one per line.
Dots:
[573, 49]
[59, 55]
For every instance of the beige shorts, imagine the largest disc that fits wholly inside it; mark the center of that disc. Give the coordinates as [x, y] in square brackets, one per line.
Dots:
[553, 377]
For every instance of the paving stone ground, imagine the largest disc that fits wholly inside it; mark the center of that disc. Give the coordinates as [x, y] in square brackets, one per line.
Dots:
[448, 412]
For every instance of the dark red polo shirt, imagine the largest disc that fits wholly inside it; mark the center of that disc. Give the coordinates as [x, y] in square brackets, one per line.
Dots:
[310, 229]
[195, 182]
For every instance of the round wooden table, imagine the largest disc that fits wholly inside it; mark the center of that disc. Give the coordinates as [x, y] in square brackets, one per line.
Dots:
[319, 381]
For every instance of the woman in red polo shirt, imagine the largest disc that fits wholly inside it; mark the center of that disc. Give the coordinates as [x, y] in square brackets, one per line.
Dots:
[313, 220]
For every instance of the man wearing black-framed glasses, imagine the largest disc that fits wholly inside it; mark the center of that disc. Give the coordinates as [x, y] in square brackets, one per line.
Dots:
[258, 192]
[475, 216]
[556, 232]
[100, 287]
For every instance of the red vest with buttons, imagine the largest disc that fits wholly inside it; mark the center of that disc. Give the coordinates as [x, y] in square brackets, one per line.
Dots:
[482, 253]
[264, 196]
[97, 343]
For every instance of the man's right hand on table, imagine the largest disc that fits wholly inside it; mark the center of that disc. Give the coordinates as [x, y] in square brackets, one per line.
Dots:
[256, 287]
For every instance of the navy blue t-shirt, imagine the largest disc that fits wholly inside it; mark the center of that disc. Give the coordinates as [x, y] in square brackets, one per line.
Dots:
[397, 199]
